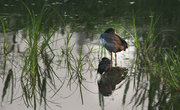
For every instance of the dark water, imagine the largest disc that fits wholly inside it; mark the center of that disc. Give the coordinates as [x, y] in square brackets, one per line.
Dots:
[87, 19]
[91, 16]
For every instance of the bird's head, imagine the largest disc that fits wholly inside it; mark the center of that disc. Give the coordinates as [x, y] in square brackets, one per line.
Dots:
[110, 31]
[105, 59]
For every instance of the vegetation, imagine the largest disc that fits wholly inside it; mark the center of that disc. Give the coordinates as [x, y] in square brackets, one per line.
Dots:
[37, 74]
[156, 76]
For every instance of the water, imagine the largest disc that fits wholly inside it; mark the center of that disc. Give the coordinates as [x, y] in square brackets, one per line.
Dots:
[65, 97]
[85, 20]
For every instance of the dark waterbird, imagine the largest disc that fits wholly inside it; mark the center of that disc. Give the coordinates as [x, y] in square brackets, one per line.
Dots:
[112, 42]
[105, 65]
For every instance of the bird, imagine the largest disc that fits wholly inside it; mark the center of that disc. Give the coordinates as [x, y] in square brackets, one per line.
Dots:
[105, 65]
[113, 42]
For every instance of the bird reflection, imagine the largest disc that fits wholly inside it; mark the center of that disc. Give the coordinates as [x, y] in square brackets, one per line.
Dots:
[110, 76]
[105, 65]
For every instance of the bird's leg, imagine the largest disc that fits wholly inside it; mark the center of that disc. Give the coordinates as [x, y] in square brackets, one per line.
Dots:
[115, 59]
[111, 56]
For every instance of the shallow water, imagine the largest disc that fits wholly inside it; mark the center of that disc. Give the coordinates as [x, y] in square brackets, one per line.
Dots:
[68, 99]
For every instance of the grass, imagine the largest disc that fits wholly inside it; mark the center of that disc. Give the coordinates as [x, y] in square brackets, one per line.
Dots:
[37, 73]
[156, 77]
[171, 61]
[144, 68]
[33, 76]
[75, 64]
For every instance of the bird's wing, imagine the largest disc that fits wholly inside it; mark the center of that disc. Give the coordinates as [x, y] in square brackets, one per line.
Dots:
[107, 37]
[107, 41]
[121, 42]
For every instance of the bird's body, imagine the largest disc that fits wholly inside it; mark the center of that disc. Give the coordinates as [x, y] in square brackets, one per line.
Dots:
[105, 65]
[112, 42]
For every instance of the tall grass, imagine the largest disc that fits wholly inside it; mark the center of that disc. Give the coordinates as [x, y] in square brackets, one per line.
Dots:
[37, 67]
[144, 71]
[156, 77]
[38, 74]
